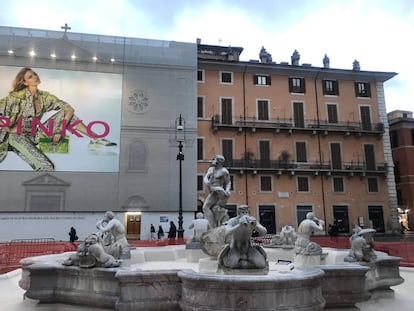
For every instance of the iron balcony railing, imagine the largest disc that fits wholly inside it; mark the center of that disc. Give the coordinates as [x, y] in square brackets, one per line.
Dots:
[290, 125]
[344, 168]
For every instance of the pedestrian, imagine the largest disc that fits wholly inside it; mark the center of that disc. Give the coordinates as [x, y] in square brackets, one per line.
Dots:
[72, 235]
[152, 232]
[160, 232]
[172, 234]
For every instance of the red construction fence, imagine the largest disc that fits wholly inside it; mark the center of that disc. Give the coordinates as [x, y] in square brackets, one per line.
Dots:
[12, 252]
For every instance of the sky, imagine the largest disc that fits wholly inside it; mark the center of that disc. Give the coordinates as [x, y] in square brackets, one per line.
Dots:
[377, 33]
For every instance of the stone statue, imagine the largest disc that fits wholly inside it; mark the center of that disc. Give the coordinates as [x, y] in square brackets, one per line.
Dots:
[295, 58]
[200, 225]
[362, 245]
[307, 227]
[288, 235]
[112, 235]
[91, 253]
[217, 180]
[239, 253]
[264, 56]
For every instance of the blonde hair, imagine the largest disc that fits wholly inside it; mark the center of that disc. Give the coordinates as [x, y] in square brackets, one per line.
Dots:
[18, 82]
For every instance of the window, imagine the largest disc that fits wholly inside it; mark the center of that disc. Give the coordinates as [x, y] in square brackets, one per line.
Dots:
[397, 173]
[231, 183]
[200, 75]
[200, 149]
[301, 151]
[200, 106]
[265, 183]
[261, 80]
[338, 184]
[412, 137]
[332, 113]
[226, 110]
[297, 85]
[365, 112]
[298, 115]
[336, 157]
[394, 139]
[330, 87]
[362, 89]
[303, 184]
[200, 183]
[263, 110]
[264, 153]
[226, 77]
[369, 157]
[227, 151]
[372, 184]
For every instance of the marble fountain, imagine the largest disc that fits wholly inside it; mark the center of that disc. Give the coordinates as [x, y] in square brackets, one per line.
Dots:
[187, 277]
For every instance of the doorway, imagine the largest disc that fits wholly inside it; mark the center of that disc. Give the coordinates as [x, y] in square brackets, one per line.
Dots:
[341, 218]
[267, 218]
[133, 228]
[376, 217]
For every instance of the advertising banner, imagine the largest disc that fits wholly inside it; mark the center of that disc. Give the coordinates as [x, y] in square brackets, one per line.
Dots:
[59, 120]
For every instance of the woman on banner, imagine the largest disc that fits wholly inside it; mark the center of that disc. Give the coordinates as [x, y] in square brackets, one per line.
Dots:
[27, 104]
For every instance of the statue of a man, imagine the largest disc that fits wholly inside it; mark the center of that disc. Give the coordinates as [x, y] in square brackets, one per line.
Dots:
[240, 254]
[217, 180]
[200, 225]
[90, 253]
[307, 227]
[362, 245]
[113, 236]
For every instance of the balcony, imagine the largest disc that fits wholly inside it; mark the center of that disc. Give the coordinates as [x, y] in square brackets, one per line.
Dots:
[327, 169]
[290, 125]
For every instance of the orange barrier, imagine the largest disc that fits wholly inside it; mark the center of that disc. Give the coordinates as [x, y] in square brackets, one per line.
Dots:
[12, 252]
[402, 249]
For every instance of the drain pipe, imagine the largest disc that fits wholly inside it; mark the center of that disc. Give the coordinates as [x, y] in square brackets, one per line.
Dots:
[320, 151]
[245, 133]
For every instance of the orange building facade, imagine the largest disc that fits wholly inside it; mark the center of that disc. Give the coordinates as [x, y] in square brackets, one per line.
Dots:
[402, 144]
[297, 138]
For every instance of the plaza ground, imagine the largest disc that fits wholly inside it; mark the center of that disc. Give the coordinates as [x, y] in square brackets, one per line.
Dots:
[12, 296]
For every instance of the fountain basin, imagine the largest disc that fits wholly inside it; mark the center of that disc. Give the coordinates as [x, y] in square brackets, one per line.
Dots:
[293, 291]
[163, 279]
[169, 285]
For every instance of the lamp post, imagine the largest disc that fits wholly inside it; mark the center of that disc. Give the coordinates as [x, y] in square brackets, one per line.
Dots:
[180, 138]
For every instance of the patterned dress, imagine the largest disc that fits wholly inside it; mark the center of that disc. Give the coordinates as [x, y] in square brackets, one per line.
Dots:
[19, 109]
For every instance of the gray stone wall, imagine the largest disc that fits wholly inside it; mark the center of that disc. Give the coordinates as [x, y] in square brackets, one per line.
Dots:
[163, 73]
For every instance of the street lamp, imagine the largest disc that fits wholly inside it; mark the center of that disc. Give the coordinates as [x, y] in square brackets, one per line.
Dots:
[180, 138]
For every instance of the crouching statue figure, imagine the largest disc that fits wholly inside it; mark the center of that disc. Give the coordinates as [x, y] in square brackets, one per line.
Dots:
[91, 254]
[240, 253]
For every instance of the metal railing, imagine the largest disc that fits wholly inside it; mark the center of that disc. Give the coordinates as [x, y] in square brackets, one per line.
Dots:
[290, 124]
[237, 164]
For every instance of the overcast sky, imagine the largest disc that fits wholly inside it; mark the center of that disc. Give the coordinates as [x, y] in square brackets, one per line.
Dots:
[377, 33]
